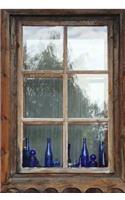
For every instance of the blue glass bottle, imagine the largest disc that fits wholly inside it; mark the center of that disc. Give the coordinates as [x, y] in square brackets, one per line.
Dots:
[56, 163]
[26, 151]
[33, 161]
[93, 162]
[102, 154]
[69, 158]
[84, 154]
[48, 154]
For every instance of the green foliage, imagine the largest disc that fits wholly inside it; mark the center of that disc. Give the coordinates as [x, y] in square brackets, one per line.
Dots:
[43, 98]
[42, 61]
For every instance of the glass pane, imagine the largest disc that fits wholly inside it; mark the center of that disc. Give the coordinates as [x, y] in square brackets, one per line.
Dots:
[94, 134]
[87, 48]
[88, 96]
[42, 97]
[43, 47]
[37, 136]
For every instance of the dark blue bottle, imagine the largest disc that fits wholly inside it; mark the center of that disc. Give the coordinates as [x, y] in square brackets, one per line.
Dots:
[26, 151]
[84, 154]
[102, 154]
[56, 163]
[92, 162]
[48, 154]
[33, 161]
[69, 158]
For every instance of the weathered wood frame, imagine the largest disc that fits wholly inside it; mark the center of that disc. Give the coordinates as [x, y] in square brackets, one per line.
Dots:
[10, 46]
[64, 74]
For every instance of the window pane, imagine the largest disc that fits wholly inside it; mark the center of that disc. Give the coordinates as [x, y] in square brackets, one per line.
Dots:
[87, 48]
[42, 97]
[43, 47]
[38, 135]
[88, 96]
[93, 134]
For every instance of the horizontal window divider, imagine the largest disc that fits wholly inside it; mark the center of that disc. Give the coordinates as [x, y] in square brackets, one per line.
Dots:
[87, 120]
[61, 72]
[91, 170]
[42, 121]
[70, 72]
[43, 73]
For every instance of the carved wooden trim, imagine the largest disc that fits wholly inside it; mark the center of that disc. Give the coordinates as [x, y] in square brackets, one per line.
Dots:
[78, 186]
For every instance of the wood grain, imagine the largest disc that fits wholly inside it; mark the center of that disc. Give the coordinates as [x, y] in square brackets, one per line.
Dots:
[43, 73]
[122, 93]
[0, 101]
[65, 12]
[20, 98]
[40, 121]
[13, 94]
[94, 170]
[5, 93]
[110, 98]
[82, 184]
[65, 102]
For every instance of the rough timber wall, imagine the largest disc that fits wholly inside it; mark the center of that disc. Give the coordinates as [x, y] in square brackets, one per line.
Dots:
[123, 90]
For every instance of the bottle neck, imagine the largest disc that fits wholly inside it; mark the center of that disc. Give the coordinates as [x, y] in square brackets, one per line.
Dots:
[101, 145]
[84, 147]
[49, 143]
[48, 140]
[27, 144]
[69, 147]
[84, 142]
[69, 150]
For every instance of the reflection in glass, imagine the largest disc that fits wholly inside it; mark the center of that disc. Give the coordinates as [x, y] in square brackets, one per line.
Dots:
[42, 47]
[93, 134]
[87, 48]
[42, 97]
[88, 96]
[38, 137]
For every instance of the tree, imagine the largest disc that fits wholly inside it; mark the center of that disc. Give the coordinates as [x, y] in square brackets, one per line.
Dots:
[43, 98]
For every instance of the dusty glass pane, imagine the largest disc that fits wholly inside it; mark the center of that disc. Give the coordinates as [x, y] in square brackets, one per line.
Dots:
[38, 135]
[42, 97]
[42, 47]
[87, 48]
[88, 96]
[93, 134]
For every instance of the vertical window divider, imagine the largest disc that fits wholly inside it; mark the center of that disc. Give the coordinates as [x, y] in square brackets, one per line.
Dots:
[110, 100]
[20, 97]
[65, 101]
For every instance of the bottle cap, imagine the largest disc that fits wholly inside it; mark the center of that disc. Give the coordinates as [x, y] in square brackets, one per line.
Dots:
[33, 152]
[48, 139]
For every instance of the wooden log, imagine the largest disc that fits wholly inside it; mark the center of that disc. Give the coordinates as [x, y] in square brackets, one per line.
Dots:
[5, 93]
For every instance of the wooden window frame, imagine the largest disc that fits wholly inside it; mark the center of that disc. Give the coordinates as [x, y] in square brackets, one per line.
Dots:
[10, 46]
[64, 74]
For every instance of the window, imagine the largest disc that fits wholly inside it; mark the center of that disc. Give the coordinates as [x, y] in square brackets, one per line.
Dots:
[65, 92]
[20, 120]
